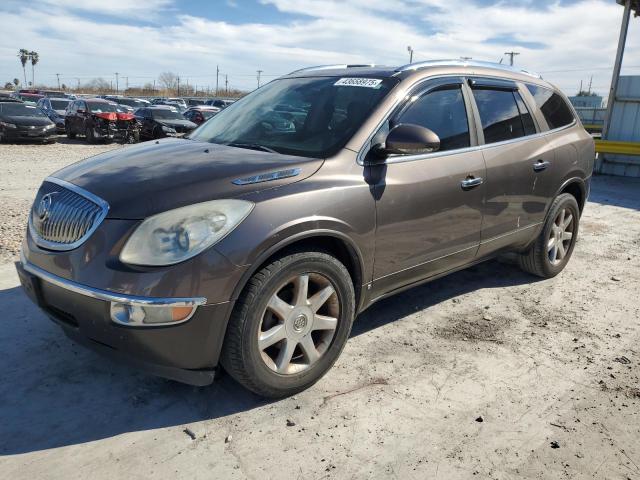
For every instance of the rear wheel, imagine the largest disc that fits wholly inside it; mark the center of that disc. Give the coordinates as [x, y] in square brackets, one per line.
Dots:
[70, 135]
[290, 324]
[552, 249]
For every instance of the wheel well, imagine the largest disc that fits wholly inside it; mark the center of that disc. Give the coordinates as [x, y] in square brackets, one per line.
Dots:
[334, 246]
[575, 189]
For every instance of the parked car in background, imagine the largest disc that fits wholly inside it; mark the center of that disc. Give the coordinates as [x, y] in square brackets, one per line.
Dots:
[31, 98]
[54, 93]
[162, 121]
[200, 114]
[129, 103]
[179, 101]
[22, 121]
[95, 118]
[217, 102]
[192, 102]
[55, 108]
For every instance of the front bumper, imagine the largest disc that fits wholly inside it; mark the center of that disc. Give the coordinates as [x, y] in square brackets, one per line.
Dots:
[38, 134]
[186, 352]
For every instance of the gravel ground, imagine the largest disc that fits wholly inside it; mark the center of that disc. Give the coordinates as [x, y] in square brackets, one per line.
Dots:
[23, 166]
[487, 373]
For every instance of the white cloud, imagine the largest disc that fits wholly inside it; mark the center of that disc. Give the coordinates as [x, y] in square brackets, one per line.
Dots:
[581, 35]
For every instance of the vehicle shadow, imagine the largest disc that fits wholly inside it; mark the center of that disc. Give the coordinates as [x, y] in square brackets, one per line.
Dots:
[493, 274]
[55, 393]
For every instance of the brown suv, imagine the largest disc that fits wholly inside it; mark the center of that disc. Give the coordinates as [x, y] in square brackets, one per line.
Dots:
[256, 240]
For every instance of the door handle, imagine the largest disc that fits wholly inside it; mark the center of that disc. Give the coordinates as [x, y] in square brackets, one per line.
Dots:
[471, 182]
[541, 165]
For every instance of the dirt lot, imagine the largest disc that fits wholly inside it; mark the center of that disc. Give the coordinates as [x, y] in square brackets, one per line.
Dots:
[488, 373]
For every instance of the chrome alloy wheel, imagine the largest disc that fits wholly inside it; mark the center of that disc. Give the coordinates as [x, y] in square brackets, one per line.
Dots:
[560, 236]
[298, 323]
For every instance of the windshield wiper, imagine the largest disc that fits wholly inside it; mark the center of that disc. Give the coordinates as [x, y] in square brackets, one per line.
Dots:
[251, 146]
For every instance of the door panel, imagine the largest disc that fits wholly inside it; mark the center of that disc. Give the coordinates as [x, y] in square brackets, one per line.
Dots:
[426, 222]
[429, 207]
[516, 197]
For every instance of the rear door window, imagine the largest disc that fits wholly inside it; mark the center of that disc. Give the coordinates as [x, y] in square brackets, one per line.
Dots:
[555, 110]
[442, 111]
[501, 116]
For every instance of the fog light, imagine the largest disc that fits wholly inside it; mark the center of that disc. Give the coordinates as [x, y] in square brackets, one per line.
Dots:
[143, 315]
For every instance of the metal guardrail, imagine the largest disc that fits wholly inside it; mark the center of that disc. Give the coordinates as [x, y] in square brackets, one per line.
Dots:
[622, 148]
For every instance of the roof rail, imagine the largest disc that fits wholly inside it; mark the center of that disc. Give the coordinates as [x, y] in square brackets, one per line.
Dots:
[464, 63]
[332, 67]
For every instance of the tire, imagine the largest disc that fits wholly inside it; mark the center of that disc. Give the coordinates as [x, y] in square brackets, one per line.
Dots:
[70, 135]
[88, 133]
[258, 369]
[543, 259]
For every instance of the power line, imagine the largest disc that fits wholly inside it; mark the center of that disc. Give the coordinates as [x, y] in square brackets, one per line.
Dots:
[511, 55]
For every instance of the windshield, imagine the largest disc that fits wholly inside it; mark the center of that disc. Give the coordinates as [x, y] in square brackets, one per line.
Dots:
[59, 104]
[207, 113]
[312, 117]
[166, 114]
[20, 110]
[101, 107]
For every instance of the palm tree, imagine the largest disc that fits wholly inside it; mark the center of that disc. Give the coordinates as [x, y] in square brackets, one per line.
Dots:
[16, 81]
[23, 55]
[34, 59]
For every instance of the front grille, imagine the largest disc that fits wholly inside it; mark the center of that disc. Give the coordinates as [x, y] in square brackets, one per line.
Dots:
[63, 215]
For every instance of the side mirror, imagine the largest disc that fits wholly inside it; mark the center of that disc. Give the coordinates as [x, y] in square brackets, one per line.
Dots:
[408, 139]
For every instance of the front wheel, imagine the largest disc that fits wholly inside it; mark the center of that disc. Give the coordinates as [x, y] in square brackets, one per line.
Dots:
[552, 249]
[290, 324]
[88, 133]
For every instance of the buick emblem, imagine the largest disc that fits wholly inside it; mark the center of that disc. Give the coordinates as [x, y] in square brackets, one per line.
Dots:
[44, 207]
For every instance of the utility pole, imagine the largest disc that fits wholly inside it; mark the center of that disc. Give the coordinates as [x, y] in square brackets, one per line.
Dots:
[117, 82]
[590, 82]
[622, 40]
[217, 75]
[58, 75]
[511, 55]
[78, 83]
[410, 50]
[580, 90]
[126, 79]
[226, 84]
[178, 93]
[259, 73]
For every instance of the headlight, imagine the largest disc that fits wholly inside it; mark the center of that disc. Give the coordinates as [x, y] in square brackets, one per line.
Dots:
[168, 129]
[49, 127]
[177, 235]
[7, 125]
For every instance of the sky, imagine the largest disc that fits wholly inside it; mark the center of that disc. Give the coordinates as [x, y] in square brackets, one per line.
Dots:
[565, 41]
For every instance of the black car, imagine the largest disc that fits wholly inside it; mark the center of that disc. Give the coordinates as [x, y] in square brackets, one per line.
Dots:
[158, 122]
[19, 121]
[55, 108]
[95, 118]
[217, 102]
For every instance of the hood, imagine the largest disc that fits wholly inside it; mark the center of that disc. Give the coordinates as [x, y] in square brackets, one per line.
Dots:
[152, 177]
[27, 121]
[176, 122]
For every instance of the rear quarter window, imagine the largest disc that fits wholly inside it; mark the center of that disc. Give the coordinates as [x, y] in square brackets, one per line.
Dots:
[555, 110]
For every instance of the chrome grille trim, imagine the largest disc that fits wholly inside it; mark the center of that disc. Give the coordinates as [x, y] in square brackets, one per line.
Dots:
[74, 217]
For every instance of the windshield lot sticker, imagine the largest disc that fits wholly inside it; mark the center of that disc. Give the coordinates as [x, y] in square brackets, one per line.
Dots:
[359, 82]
